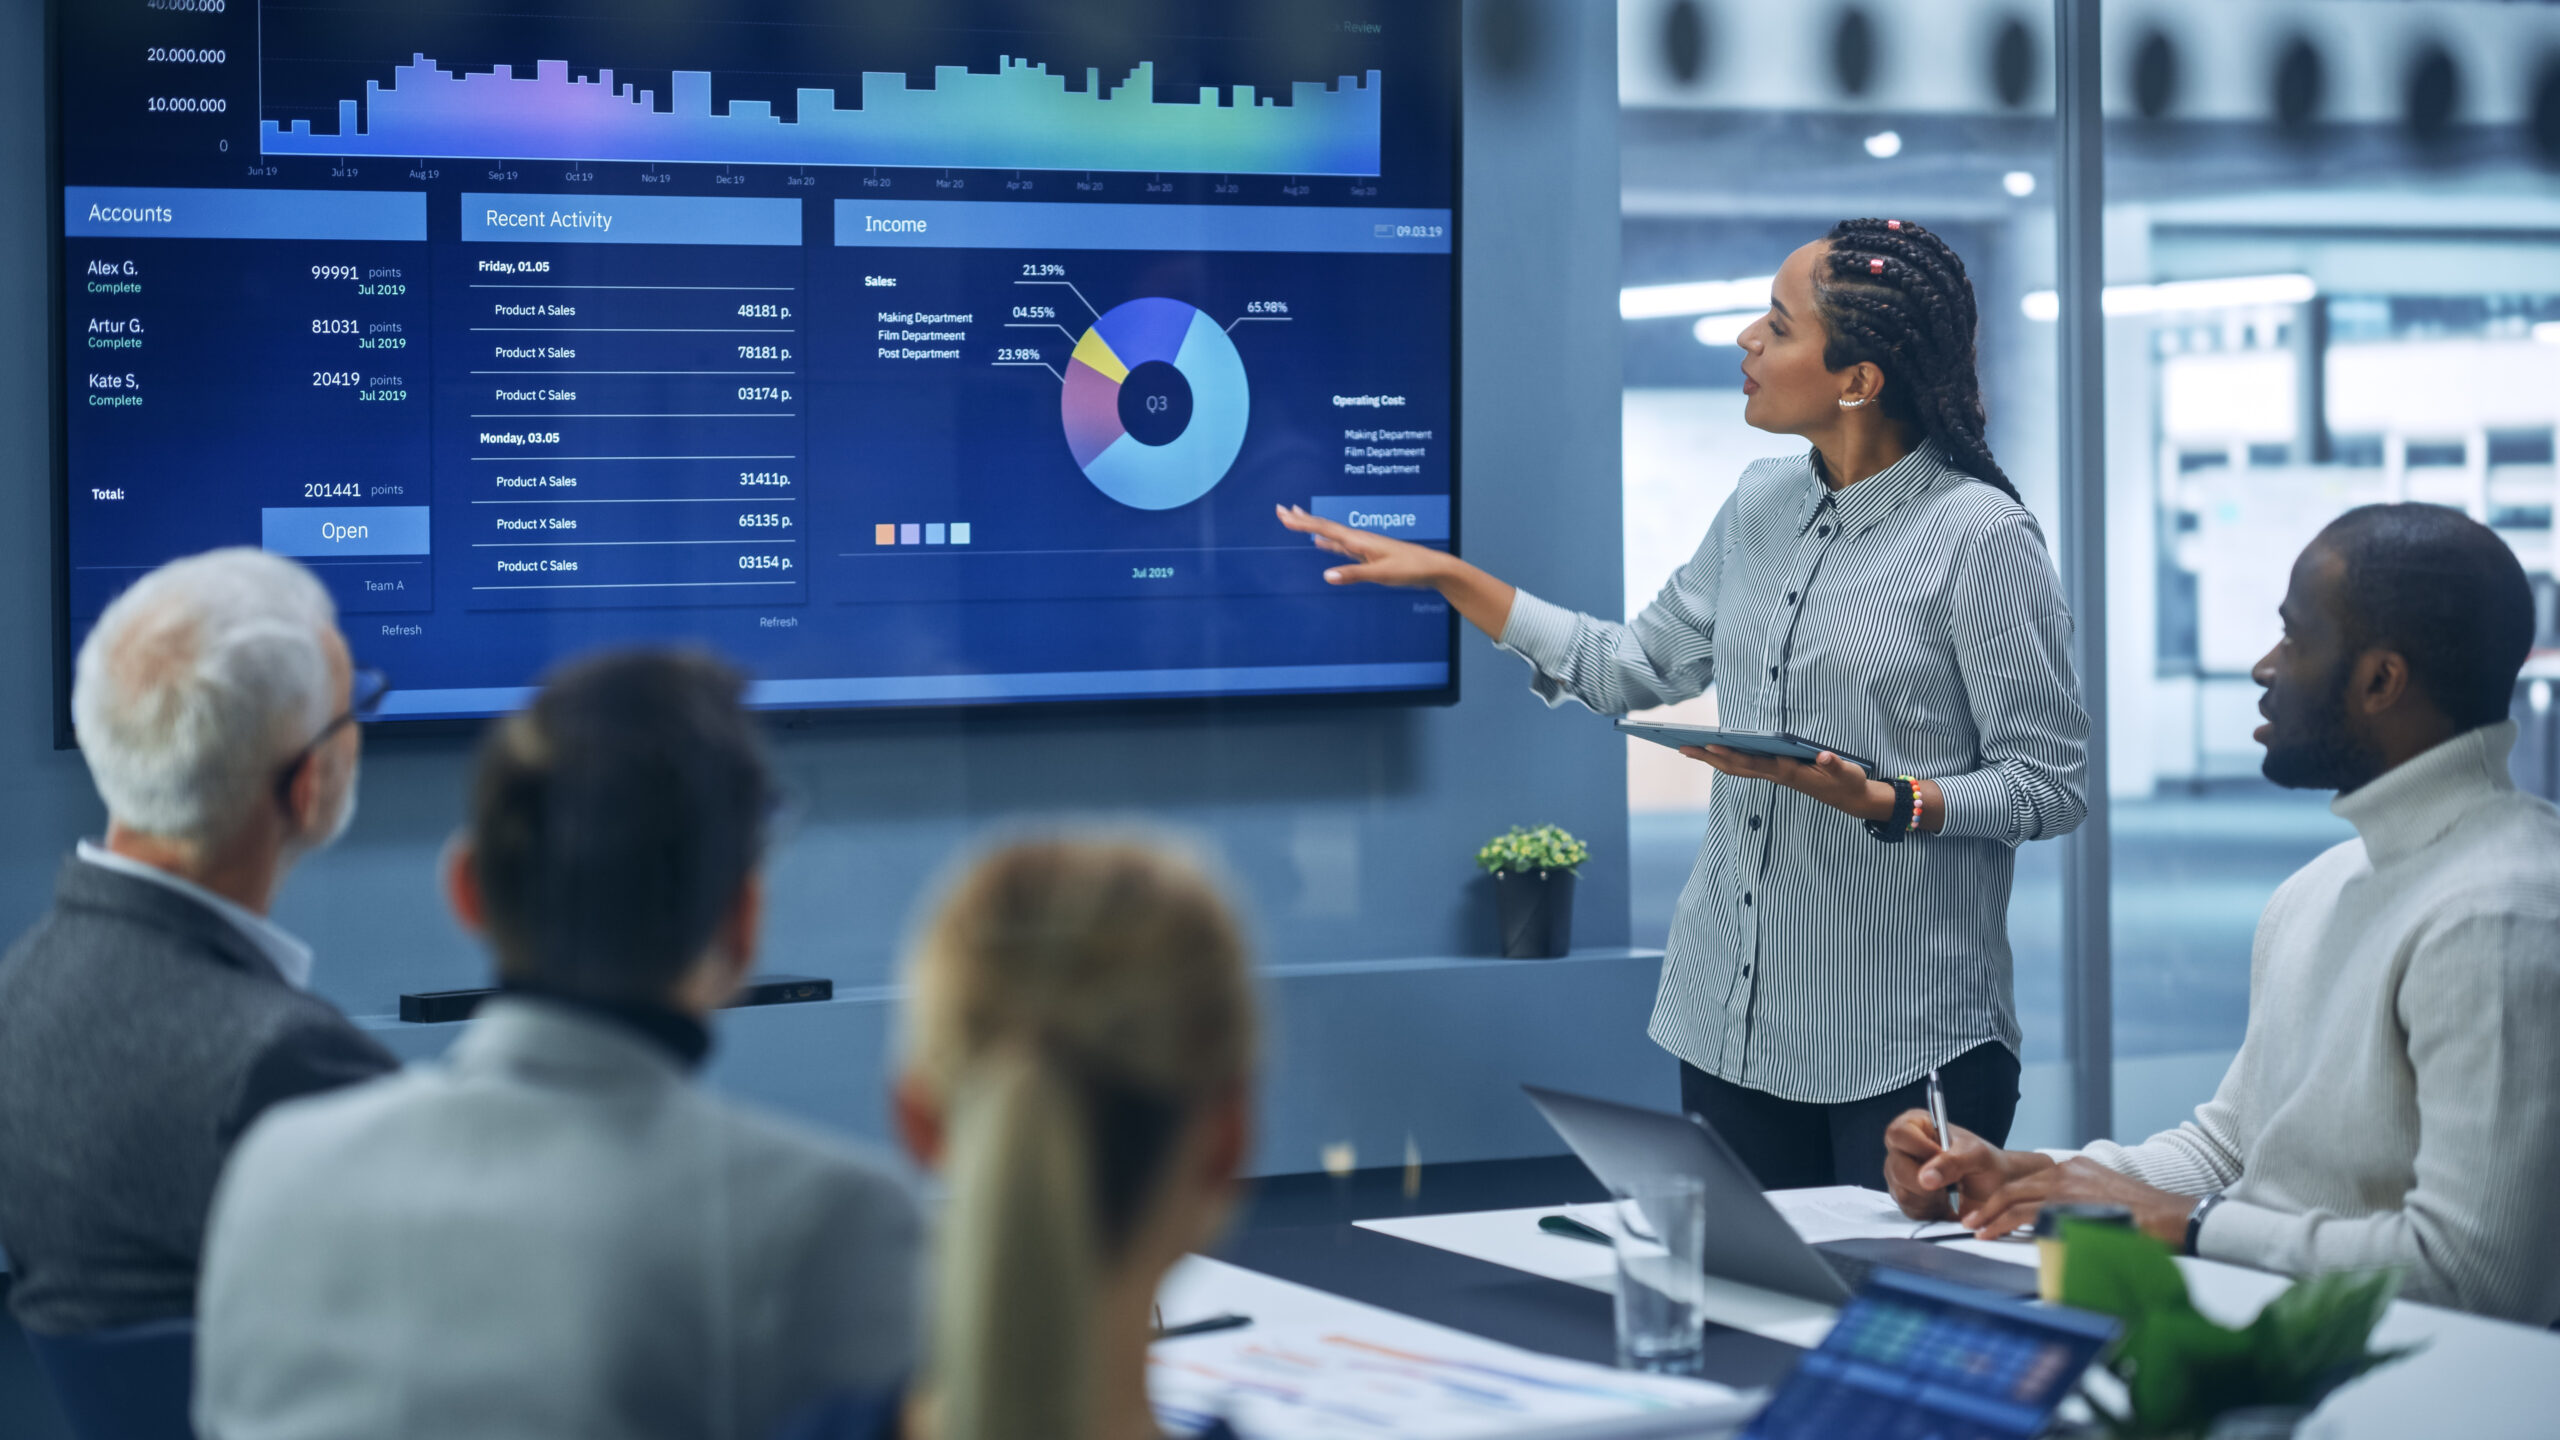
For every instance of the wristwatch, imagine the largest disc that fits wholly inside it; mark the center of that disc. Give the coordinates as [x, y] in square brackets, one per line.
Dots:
[2195, 1221]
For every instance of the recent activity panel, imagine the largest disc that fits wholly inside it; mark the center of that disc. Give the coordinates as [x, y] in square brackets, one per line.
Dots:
[621, 397]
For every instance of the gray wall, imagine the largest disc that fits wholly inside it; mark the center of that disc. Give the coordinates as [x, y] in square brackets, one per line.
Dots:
[1351, 831]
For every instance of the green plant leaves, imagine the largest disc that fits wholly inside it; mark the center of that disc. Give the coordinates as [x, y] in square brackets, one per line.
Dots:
[2121, 1272]
[1528, 851]
[2311, 1339]
[2181, 1369]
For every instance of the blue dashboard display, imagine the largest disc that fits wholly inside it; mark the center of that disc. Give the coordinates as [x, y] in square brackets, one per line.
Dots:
[909, 356]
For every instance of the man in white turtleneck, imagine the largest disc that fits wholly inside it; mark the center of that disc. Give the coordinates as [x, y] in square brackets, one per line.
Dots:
[2396, 1100]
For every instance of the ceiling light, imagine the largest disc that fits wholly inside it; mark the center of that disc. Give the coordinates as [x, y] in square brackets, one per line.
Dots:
[2236, 292]
[1694, 297]
[2019, 183]
[1885, 144]
[2210, 294]
[1719, 331]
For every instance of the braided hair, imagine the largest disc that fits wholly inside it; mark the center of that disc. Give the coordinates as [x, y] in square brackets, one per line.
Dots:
[1894, 295]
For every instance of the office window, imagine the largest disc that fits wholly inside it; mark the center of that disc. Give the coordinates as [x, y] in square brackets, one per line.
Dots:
[2309, 310]
[2316, 296]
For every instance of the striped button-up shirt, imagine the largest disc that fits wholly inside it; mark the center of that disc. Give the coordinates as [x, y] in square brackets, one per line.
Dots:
[1915, 619]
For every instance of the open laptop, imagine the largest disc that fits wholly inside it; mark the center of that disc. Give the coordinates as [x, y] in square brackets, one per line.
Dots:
[1747, 1239]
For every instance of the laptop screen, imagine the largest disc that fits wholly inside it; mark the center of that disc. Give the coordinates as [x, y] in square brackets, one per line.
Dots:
[1916, 1356]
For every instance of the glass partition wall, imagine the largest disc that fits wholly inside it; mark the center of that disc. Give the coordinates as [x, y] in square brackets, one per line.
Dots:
[2332, 240]
[2331, 262]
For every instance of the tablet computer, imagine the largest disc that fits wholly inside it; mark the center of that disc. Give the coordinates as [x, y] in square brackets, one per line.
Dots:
[1912, 1355]
[1749, 742]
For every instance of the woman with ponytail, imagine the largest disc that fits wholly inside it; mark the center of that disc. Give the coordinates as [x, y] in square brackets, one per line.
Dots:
[1080, 1046]
[1843, 935]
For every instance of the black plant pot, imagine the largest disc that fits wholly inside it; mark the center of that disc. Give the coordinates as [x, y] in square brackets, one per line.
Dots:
[1537, 913]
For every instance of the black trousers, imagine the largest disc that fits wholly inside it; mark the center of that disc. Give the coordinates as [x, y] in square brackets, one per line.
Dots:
[1794, 1143]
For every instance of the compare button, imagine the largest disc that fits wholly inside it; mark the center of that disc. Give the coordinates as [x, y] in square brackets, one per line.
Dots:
[1406, 517]
[345, 530]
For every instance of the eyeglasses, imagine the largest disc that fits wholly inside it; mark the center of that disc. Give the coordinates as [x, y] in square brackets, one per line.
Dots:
[365, 692]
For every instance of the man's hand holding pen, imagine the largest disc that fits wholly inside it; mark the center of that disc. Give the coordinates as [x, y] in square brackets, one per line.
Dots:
[2003, 1189]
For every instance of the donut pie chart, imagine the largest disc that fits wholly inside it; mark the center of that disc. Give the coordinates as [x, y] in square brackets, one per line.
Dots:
[1155, 404]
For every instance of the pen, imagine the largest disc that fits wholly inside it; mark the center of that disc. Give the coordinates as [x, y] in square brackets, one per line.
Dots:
[1209, 1326]
[1572, 1229]
[1938, 1118]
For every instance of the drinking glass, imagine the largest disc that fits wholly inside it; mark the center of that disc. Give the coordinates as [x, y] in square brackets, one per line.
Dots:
[1661, 1245]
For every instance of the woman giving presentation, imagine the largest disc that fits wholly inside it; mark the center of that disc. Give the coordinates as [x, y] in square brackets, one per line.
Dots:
[1842, 934]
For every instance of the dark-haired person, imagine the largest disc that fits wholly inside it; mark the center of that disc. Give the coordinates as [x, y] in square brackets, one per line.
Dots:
[556, 1231]
[2396, 1100]
[1842, 934]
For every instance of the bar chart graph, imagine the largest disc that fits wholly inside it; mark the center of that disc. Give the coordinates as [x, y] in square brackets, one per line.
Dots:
[1021, 116]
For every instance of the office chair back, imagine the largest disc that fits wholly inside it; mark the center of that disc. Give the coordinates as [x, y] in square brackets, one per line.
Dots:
[130, 1383]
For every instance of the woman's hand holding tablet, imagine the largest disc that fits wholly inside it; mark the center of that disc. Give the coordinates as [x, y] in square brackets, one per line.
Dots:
[1846, 783]
[1828, 777]
[1750, 742]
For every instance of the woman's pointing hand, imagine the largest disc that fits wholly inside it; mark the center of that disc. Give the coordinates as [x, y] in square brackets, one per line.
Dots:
[1378, 559]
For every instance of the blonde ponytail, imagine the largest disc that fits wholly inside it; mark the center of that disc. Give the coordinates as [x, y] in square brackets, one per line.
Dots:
[1076, 1002]
[1017, 1266]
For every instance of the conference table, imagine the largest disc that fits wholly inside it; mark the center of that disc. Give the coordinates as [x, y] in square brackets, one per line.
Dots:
[1489, 1284]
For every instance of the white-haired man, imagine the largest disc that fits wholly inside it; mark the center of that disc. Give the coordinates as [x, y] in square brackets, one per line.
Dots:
[155, 1011]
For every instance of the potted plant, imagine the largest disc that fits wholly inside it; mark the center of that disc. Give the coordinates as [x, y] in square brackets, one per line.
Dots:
[1533, 872]
[2182, 1373]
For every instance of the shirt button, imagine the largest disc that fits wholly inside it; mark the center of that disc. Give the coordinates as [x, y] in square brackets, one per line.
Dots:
[1791, 597]
[1746, 897]
[1746, 972]
[1825, 531]
[1773, 672]
[1755, 822]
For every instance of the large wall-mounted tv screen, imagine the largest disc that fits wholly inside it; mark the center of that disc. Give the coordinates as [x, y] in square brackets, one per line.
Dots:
[910, 355]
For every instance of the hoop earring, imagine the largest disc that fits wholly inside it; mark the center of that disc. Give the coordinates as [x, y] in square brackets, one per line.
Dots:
[1851, 404]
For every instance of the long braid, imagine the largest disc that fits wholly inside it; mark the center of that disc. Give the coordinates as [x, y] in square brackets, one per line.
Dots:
[1897, 296]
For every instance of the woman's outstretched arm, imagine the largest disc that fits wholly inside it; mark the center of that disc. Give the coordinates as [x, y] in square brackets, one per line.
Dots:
[1666, 653]
[1381, 560]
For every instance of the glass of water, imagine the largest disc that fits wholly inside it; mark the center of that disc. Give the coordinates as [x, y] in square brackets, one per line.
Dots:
[1661, 1242]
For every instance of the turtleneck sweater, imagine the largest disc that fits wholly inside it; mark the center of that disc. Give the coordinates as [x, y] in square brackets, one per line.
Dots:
[2396, 1098]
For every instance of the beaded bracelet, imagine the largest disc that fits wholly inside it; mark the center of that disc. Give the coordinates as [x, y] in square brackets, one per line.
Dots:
[1918, 804]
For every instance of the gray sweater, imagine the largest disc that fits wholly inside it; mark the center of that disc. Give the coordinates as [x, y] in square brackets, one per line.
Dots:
[2396, 1100]
[553, 1232]
[140, 1033]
